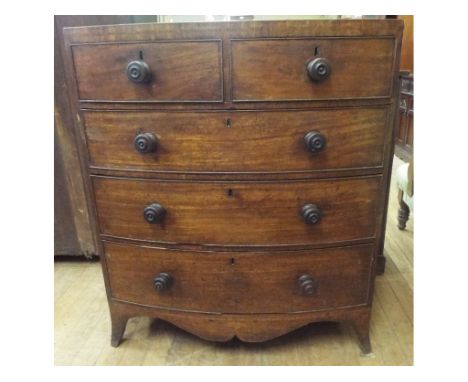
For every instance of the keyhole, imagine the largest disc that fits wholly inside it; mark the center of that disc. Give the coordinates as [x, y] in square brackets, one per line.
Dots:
[232, 261]
[141, 55]
[230, 192]
[316, 51]
[228, 122]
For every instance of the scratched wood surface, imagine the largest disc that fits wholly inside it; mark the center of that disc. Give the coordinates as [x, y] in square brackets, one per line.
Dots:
[82, 323]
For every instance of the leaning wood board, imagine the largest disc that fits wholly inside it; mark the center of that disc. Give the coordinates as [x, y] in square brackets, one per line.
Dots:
[238, 171]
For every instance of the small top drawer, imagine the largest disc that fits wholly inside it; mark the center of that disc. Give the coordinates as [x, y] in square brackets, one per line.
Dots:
[157, 71]
[309, 69]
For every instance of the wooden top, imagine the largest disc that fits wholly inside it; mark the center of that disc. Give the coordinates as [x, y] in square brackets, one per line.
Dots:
[237, 29]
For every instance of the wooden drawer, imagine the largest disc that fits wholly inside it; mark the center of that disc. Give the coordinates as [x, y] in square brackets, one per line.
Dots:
[240, 282]
[237, 141]
[239, 213]
[180, 71]
[275, 69]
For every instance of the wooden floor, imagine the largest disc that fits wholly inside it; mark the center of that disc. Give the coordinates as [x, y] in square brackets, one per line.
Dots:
[82, 324]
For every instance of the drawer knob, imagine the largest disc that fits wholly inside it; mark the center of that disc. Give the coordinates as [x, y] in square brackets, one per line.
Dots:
[311, 213]
[162, 281]
[154, 213]
[314, 141]
[307, 284]
[138, 72]
[318, 69]
[145, 143]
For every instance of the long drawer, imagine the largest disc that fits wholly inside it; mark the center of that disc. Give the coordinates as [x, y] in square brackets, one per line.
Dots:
[237, 141]
[238, 213]
[240, 282]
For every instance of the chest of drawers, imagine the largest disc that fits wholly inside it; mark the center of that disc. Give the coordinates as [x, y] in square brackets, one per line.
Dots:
[238, 172]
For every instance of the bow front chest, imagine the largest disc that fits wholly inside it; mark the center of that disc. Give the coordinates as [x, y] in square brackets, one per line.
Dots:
[238, 172]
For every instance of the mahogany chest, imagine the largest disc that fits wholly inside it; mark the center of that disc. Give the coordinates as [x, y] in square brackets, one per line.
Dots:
[238, 171]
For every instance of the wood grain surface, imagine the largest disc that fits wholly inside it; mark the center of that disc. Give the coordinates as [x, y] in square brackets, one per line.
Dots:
[181, 71]
[236, 29]
[239, 213]
[275, 69]
[252, 141]
[240, 282]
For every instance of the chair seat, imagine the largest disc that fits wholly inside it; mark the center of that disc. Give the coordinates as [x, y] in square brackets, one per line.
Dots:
[403, 184]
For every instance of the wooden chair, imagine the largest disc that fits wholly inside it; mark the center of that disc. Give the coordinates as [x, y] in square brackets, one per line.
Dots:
[405, 193]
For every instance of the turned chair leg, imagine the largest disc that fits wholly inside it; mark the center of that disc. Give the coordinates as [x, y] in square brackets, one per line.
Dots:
[403, 212]
[119, 322]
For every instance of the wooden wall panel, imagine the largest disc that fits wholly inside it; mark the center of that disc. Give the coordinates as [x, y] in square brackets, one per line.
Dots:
[407, 47]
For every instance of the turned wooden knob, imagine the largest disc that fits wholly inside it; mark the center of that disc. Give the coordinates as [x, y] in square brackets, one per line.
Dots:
[145, 143]
[307, 284]
[154, 213]
[311, 213]
[162, 281]
[314, 141]
[138, 72]
[318, 69]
